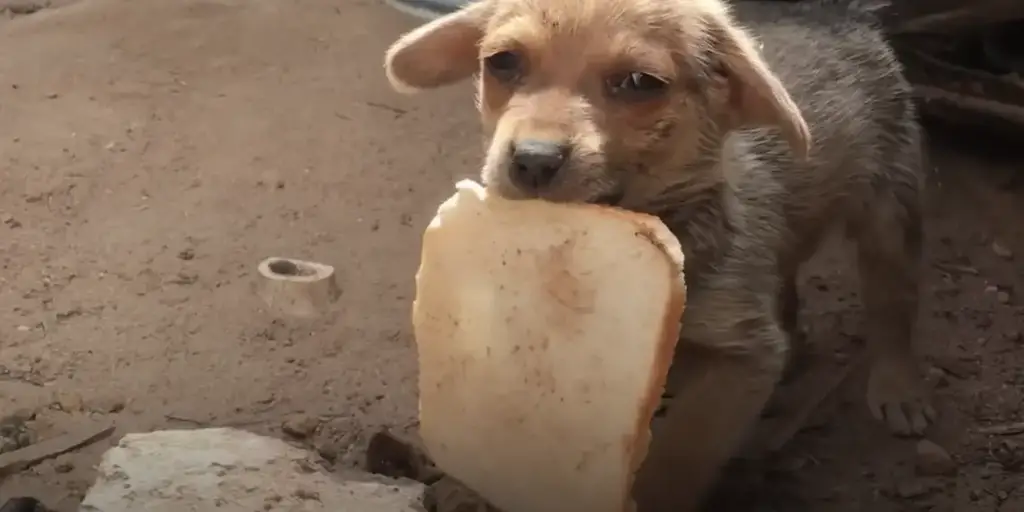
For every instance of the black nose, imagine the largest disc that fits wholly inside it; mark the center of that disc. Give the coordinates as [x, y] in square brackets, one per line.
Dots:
[535, 163]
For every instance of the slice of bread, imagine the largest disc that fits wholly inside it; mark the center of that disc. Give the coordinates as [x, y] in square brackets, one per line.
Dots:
[545, 332]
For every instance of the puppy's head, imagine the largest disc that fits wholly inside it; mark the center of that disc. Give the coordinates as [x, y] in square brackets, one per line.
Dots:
[585, 99]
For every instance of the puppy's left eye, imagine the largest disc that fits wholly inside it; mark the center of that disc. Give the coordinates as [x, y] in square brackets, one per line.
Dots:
[505, 66]
[635, 86]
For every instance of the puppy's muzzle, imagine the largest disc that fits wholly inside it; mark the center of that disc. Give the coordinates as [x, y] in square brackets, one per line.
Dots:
[534, 164]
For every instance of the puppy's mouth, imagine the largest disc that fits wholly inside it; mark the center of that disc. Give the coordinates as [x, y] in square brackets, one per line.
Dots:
[610, 199]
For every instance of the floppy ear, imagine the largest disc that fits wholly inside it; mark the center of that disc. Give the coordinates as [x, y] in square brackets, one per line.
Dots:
[438, 53]
[756, 96]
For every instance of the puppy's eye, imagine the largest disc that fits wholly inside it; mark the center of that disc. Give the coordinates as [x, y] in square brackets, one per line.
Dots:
[505, 66]
[635, 86]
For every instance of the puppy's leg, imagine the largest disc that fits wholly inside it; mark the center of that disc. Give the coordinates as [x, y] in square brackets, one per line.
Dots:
[789, 312]
[724, 380]
[889, 242]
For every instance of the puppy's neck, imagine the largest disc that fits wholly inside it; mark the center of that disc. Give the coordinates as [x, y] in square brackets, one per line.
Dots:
[675, 185]
[696, 203]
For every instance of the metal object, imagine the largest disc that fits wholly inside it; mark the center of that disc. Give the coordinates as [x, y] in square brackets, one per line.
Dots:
[427, 9]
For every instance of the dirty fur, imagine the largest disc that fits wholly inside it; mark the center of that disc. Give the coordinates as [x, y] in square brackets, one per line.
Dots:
[752, 131]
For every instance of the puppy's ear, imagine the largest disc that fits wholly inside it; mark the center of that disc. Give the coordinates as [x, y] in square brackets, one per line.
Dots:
[756, 96]
[438, 53]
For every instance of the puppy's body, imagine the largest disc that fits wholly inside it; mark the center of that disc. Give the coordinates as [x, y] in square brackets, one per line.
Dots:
[863, 173]
[750, 156]
[851, 91]
[747, 236]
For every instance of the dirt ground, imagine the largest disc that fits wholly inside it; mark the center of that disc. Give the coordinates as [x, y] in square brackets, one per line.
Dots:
[152, 153]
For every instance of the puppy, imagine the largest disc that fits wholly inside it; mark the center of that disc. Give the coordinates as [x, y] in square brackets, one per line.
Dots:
[750, 149]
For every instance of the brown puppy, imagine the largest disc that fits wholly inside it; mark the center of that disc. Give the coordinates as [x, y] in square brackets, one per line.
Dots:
[670, 107]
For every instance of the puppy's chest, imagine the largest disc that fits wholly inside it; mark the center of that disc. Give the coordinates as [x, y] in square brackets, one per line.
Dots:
[705, 233]
[746, 222]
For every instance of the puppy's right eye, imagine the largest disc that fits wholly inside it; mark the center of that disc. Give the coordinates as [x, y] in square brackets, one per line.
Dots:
[635, 86]
[505, 66]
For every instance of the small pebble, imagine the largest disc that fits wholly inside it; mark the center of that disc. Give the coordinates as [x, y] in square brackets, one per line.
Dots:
[10, 221]
[1002, 251]
[270, 501]
[25, 438]
[958, 368]
[331, 450]
[937, 378]
[912, 489]
[110, 405]
[307, 494]
[934, 460]
[68, 402]
[301, 426]
[20, 416]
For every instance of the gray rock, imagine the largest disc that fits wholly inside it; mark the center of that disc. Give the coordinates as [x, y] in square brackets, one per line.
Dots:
[228, 470]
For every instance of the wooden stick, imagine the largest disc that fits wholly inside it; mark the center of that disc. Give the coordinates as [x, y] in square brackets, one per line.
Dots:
[18, 460]
[784, 434]
[1012, 429]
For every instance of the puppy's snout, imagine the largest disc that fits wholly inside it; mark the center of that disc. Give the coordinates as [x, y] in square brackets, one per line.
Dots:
[535, 163]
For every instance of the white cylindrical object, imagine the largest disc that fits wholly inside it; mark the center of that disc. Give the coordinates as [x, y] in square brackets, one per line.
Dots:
[297, 288]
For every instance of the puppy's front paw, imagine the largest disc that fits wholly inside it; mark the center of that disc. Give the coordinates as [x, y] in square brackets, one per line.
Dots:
[897, 396]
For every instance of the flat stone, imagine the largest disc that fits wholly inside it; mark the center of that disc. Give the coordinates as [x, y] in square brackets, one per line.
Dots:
[229, 470]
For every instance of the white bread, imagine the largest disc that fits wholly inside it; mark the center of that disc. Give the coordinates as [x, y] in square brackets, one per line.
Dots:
[545, 332]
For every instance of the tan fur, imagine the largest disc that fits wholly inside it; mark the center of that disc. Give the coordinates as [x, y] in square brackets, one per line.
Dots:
[722, 153]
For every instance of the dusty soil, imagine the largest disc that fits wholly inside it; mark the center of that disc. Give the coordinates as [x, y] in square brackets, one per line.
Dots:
[152, 153]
